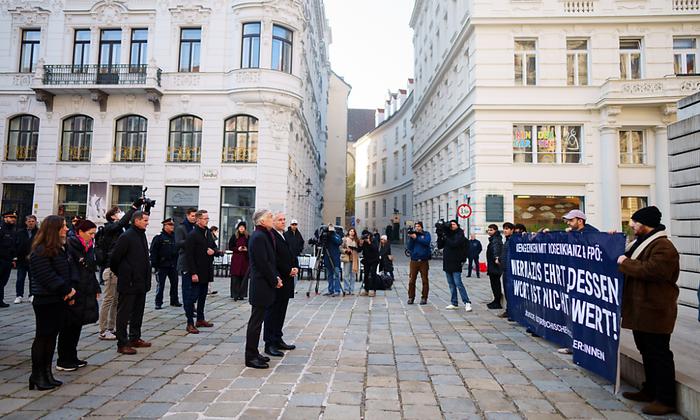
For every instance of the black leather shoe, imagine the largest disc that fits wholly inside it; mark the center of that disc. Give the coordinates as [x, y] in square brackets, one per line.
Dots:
[284, 346]
[424, 301]
[263, 358]
[6, 305]
[176, 304]
[256, 364]
[273, 351]
[159, 307]
[410, 302]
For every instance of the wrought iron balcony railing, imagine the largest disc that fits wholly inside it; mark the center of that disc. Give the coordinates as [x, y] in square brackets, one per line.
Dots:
[129, 154]
[239, 155]
[184, 154]
[97, 74]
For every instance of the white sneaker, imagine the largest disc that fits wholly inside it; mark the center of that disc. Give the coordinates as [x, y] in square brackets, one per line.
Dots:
[31, 299]
[107, 335]
[18, 299]
[468, 307]
[565, 350]
[451, 307]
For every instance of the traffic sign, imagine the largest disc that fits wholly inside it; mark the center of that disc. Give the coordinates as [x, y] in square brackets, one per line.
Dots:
[464, 211]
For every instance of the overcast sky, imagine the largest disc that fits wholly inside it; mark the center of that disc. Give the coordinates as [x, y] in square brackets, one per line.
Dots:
[372, 47]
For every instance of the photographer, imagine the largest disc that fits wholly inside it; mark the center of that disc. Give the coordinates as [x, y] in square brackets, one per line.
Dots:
[331, 241]
[117, 222]
[419, 249]
[455, 247]
[370, 261]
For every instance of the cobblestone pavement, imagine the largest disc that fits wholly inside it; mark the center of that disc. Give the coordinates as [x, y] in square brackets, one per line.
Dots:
[356, 357]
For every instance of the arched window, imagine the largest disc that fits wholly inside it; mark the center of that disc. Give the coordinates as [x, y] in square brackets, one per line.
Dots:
[130, 139]
[76, 139]
[22, 138]
[240, 139]
[185, 140]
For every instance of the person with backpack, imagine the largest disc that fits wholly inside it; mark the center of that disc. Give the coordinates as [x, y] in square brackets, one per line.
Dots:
[456, 248]
[117, 222]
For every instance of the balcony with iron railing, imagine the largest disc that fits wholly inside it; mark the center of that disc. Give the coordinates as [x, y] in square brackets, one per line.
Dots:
[128, 154]
[74, 154]
[561, 8]
[97, 80]
[184, 154]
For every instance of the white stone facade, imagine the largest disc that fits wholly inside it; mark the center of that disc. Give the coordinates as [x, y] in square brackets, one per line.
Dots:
[474, 111]
[383, 176]
[289, 103]
[334, 183]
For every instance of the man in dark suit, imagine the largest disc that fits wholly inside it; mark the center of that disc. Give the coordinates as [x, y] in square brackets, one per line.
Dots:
[130, 262]
[198, 271]
[264, 279]
[287, 268]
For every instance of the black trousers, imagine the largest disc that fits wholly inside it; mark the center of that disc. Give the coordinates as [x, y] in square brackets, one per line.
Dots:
[252, 335]
[475, 262]
[49, 319]
[5, 271]
[129, 313]
[239, 287]
[274, 321]
[170, 274]
[659, 369]
[68, 339]
[370, 276]
[495, 280]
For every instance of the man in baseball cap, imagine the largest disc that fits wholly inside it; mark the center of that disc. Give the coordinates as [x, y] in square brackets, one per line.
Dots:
[576, 220]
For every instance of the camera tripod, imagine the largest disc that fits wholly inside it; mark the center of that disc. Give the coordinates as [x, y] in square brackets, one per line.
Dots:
[322, 252]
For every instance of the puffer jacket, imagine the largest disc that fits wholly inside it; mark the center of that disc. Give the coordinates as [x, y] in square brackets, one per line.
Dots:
[493, 251]
[51, 276]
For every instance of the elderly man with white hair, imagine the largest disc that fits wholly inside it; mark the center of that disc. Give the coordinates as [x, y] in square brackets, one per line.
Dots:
[264, 279]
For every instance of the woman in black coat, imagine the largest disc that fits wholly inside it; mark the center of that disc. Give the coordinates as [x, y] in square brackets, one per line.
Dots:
[386, 260]
[51, 287]
[82, 309]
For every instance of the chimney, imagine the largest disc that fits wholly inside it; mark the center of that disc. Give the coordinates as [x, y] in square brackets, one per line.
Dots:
[387, 106]
[401, 98]
[410, 85]
[378, 116]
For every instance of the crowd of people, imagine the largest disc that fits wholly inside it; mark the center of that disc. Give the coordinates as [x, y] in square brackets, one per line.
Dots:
[62, 263]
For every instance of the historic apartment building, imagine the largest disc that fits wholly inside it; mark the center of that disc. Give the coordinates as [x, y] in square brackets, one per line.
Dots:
[383, 176]
[526, 109]
[210, 104]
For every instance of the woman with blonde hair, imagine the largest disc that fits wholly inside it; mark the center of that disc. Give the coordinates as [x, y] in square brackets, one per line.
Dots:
[350, 260]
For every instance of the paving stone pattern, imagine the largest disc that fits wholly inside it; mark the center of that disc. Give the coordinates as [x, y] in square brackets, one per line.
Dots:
[356, 358]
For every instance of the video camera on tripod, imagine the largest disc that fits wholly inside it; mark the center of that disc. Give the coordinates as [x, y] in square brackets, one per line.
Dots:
[147, 203]
[442, 228]
[322, 234]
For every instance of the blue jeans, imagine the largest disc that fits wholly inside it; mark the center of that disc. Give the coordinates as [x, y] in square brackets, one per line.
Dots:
[191, 293]
[22, 274]
[333, 276]
[454, 280]
[349, 277]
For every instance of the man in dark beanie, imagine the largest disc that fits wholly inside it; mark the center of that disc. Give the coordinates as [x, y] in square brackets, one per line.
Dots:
[649, 307]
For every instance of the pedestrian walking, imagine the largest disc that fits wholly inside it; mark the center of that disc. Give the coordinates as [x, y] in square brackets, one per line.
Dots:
[455, 246]
[198, 271]
[287, 267]
[50, 286]
[350, 260]
[475, 249]
[164, 255]
[131, 263]
[493, 268]
[264, 279]
[419, 250]
[25, 237]
[117, 223]
[651, 266]
[238, 244]
[82, 308]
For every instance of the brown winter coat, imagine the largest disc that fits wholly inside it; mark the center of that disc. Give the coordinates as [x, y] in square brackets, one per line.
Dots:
[649, 298]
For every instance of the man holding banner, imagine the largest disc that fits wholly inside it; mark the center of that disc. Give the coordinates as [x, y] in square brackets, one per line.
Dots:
[649, 307]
